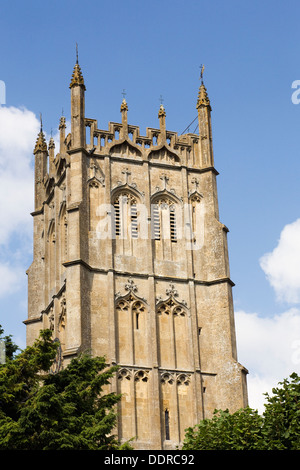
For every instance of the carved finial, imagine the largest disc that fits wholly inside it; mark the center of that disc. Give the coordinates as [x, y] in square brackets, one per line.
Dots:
[77, 77]
[203, 99]
[161, 112]
[172, 291]
[51, 143]
[130, 286]
[41, 145]
[62, 123]
[124, 106]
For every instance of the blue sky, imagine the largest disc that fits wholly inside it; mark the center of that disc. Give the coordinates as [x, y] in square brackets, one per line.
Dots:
[250, 52]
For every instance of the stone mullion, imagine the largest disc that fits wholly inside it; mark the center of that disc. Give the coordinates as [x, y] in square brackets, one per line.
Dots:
[187, 224]
[131, 335]
[134, 411]
[195, 351]
[175, 410]
[155, 382]
[173, 336]
[111, 313]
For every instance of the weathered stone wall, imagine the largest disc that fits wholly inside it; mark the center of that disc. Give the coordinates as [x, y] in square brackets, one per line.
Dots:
[131, 263]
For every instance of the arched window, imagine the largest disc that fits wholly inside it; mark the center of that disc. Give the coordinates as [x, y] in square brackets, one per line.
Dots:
[125, 227]
[164, 220]
[125, 216]
[173, 330]
[166, 215]
[132, 330]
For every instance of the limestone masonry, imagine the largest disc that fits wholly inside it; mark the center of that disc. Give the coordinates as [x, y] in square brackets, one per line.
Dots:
[130, 262]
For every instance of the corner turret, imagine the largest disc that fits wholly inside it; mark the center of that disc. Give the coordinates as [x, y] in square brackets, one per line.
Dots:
[41, 167]
[77, 87]
[205, 133]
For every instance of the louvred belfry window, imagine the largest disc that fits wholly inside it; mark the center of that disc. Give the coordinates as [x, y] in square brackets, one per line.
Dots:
[125, 216]
[164, 221]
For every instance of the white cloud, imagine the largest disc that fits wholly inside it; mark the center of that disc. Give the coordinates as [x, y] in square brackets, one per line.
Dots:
[19, 129]
[18, 133]
[10, 278]
[269, 347]
[281, 266]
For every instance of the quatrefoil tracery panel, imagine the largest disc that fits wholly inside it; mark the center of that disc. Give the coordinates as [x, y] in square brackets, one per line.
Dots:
[171, 306]
[179, 378]
[138, 307]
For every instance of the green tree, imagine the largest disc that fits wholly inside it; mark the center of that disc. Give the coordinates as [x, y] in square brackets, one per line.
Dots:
[241, 430]
[10, 348]
[282, 415]
[277, 429]
[66, 410]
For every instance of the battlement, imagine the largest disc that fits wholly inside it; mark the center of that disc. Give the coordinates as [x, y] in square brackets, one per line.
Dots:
[156, 144]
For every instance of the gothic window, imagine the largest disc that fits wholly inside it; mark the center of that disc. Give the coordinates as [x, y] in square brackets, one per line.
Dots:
[133, 386]
[177, 403]
[164, 220]
[173, 333]
[125, 216]
[132, 330]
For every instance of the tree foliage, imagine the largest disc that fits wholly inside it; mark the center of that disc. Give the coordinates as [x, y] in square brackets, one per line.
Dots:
[10, 347]
[277, 429]
[66, 410]
[282, 415]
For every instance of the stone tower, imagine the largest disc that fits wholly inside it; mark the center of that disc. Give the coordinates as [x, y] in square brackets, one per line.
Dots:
[130, 262]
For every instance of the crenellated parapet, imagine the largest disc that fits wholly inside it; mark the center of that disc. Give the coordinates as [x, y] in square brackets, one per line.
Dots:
[157, 145]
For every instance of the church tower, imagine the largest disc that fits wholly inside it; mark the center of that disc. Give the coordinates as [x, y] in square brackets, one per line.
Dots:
[130, 262]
